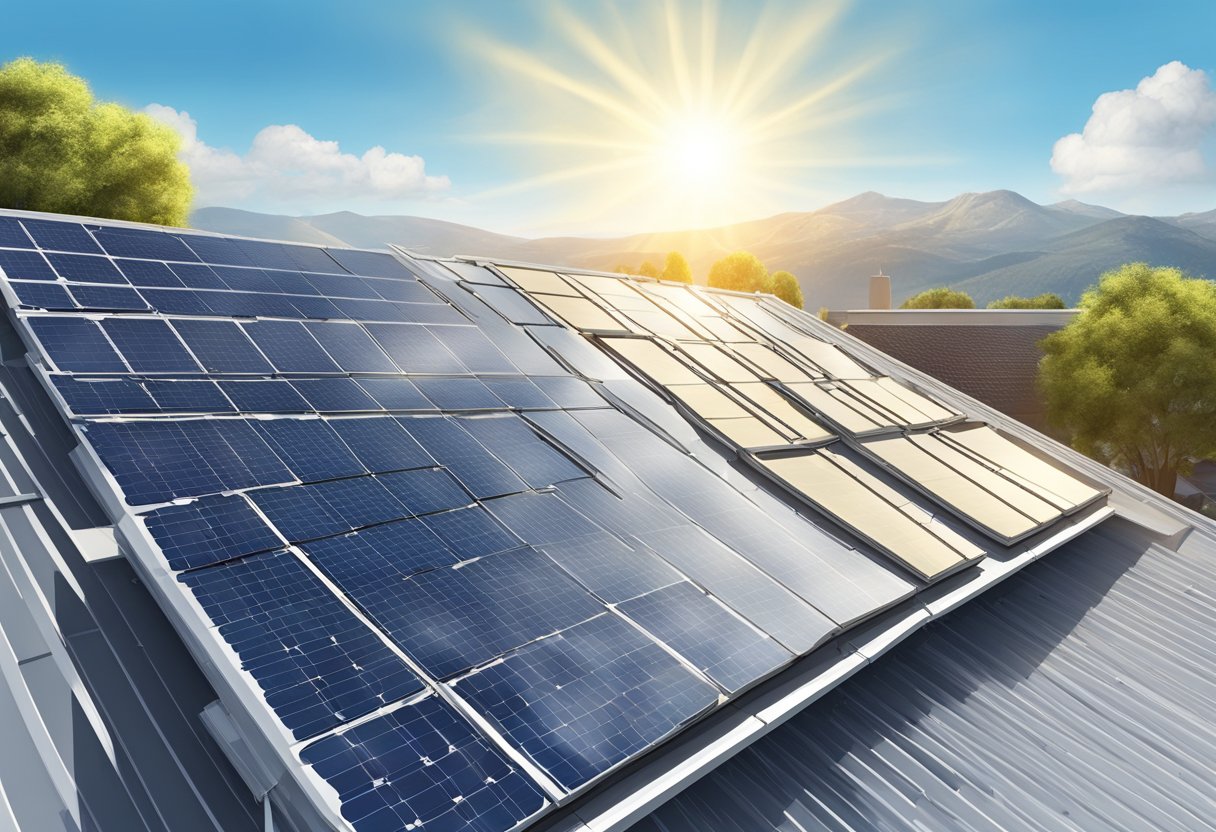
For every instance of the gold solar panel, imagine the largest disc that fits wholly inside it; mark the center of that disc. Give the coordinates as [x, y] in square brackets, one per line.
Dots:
[717, 362]
[771, 362]
[887, 400]
[535, 280]
[653, 360]
[579, 313]
[829, 358]
[852, 415]
[777, 406]
[707, 401]
[660, 323]
[748, 432]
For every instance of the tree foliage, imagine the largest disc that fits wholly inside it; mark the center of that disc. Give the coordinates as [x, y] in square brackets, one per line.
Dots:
[1133, 378]
[740, 271]
[648, 269]
[676, 267]
[1047, 300]
[63, 152]
[786, 287]
[940, 298]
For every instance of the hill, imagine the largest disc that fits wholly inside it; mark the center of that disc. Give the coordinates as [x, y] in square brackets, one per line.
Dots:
[991, 244]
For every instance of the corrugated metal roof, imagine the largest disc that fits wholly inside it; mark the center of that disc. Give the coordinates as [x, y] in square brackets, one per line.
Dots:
[1077, 695]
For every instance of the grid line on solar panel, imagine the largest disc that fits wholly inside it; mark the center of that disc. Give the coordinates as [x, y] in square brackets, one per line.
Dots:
[209, 530]
[25, 265]
[310, 448]
[318, 665]
[588, 698]
[149, 345]
[308, 512]
[60, 236]
[477, 468]
[186, 396]
[86, 268]
[422, 766]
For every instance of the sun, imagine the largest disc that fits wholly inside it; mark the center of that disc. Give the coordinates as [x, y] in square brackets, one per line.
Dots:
[689, 119]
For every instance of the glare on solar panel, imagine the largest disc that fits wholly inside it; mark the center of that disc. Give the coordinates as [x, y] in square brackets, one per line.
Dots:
[580, 313]
[653, 360]
[535, 280]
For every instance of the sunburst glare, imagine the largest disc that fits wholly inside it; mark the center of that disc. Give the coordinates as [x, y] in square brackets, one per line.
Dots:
[689, 119]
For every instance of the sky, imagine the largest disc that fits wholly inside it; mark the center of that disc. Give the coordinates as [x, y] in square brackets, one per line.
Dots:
[578, 117]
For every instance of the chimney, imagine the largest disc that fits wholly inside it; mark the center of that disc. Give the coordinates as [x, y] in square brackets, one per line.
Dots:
[880, 291]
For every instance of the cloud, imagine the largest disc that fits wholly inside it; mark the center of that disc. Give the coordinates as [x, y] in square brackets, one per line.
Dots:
[287, 168]
[1136, 139]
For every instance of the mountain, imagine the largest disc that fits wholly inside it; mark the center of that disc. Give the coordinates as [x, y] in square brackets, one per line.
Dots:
[991, 244]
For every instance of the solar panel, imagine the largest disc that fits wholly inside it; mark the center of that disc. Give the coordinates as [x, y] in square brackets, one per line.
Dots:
[583, 700]
[310, 448]
[334, 395]
[264, 396]
[209, 530]
[509, 438]
[351, 348]
[290, 347]
[178, 396]
[86, 268]
[149, 345]
[137, 242]
[38, 295]
[108, 298]
[426, 490]
[395, 394]
[60, 236]
[221, 347]
[25, 265]
[609, 568]
[458, 394]
[381, 444]
[415, 349]
[76, 345]
[317, 664]
[453, 447]
[369, 558]
[12, 235]
[148, 273]
[308, 512]
[95, 397]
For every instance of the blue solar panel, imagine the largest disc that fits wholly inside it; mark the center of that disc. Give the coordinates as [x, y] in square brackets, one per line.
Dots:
[569, 392]
[381, 444]
[681, 617]
[317, 664]
[335, 395]
[411, 291]
[351, 347]
[476, 468]
[102, 397]
[449, 620]
[289, 347]
[12, 235]
[341, 286]
[221, 347]
[510, 439]
[609, 568]
[177, 396]
[457, 394]
[109, 298]
[368, 560]
[86, 268]
[149, 345]
[512, 305]
[246, 280]
[370, 263]
[317, 309]
[198, 276]
[476, 350]
[310, 448]
[137, 242]
[267, 396]
[61, 236]
[76, 345]
[415, 350]
[370, 310]
[216, 249]
[582, 701]
[422, 767]
[158, 461]
[176, 301]
[428, 313]
[519, 393]
[209, 530]
[540, 518]
[226, 304]
[25, 265]
[471, 532]
[308, 512]
[426, 490]
[40, 295]
[396, 394]
[148, 273]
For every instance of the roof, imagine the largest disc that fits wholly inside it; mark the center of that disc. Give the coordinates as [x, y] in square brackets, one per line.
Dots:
[214, 468]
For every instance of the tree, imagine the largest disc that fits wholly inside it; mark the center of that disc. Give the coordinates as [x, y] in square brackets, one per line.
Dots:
[63, 152]
[1047, 300]
[676, 268]
[1133, 378]
[785, 286]
[740, 271]
[621, 268]
[648, 269]
[940, 298]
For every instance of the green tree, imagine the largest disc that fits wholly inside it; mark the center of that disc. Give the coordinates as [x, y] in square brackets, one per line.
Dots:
[786, 287]
[940, 298]
[1047, 300]
[1133, 378]
[676, 268]
[63, 152]
[621, 268]
[740, 271]
[648, 269]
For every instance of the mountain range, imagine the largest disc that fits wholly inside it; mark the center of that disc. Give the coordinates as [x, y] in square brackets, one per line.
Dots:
[990, 244]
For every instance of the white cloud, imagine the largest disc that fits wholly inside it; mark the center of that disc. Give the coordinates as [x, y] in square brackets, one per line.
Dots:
[287, 168]
[1136, 139]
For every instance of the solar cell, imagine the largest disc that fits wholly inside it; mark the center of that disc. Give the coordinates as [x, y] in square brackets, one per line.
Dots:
[75, 345]
[456, 394]
[138, 242]
[422, 765]
[198, 276]
[221, 346]
[290, 347]
[519, 393]
[510, 439]
[86, 268]
[583, 700]
[426, 490]
[61, 236]
[12, 235]
[396, 394]
[371, 263]
[149, 345]
[108, 298]
[415, 349]
[680, 616]
[475, 350]
[310, 448]
[453, 619]
[148, 273]
[372, 557]
[351, 347]
[25, 265]
[317, 664]
[209, 530]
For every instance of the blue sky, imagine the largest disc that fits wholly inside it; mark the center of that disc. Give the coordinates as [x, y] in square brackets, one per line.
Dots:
[968, 96]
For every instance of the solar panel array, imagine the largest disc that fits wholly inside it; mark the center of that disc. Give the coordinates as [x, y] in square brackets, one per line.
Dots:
[466, 582]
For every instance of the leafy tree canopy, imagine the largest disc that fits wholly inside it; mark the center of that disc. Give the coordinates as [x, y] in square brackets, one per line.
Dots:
[63, 152]
[648, 269]
[785, 286]
[940, 298]
[740, 271]
[1133, 378]
[1047, 300]
[676, 268]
